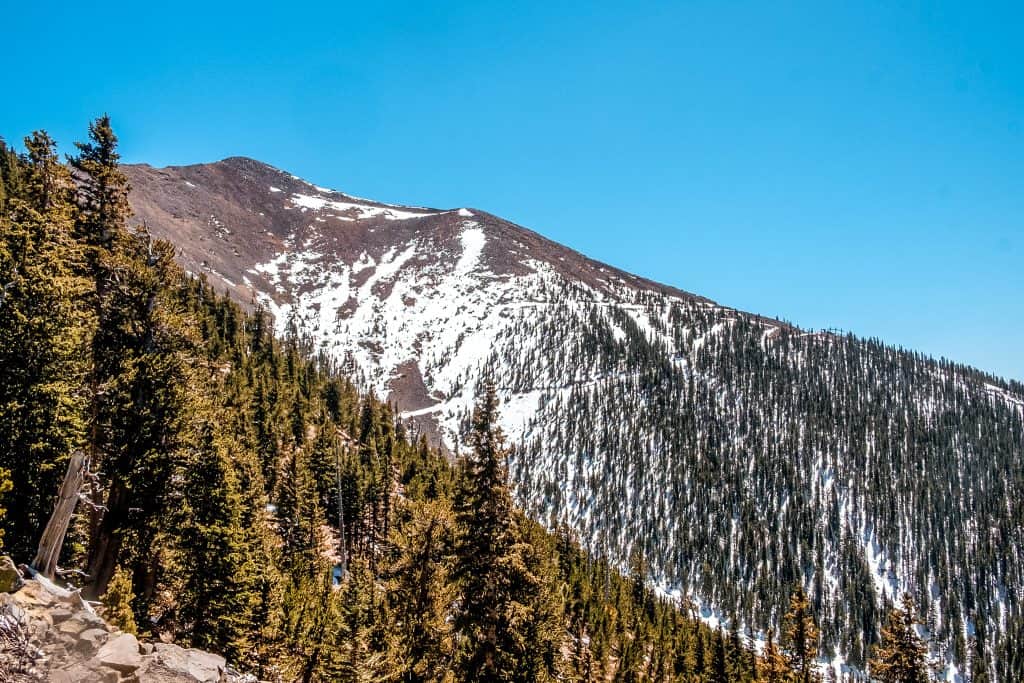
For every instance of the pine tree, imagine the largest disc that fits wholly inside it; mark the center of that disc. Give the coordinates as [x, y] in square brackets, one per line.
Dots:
[695, 655]
[497, 587]
[138, 370]
[117, 602]
[216, 605]
[8, 160]
[43, 334]
[800, 637]
[359, 661]
[300, 517]
[772, 667]
[900, 656]
[260, 544]
[484, 515]
[102, 188]
[308, 631]
[140, 353]
[719, 669]
[736, 655]
[536, 617]
[421, 593]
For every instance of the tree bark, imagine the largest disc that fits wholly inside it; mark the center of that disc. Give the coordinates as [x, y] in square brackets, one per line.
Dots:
[107, 545]
[52, 541]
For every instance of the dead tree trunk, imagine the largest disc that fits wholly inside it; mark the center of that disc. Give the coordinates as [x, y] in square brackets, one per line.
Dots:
[106, 546]
[52, 540]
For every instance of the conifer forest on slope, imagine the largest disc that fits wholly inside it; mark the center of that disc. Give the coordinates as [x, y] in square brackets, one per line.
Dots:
[649, 420]
[234, 473]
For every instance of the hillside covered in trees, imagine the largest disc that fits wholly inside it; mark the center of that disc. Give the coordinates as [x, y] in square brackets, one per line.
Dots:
[242, 497]
[738, 455]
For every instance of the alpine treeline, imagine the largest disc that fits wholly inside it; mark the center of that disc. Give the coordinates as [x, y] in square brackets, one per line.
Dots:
[243, 497]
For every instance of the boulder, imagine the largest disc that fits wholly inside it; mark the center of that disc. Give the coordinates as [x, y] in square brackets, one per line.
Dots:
[71, 643]
[10, 577]
[59, 615]
[78, 673]
[90, 620]
[92, 639]
[70, 628]
[154, 671]
[33, 593]
[120, 653]
[55, 652]
[196, 664]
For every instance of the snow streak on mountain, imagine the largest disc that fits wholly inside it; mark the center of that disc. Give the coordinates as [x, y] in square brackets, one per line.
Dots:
[738, 455]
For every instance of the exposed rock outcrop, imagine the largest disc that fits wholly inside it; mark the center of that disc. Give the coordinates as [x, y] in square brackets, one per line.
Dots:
[51, 634]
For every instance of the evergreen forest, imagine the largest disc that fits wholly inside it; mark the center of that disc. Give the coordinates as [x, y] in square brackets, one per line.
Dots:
[243, 497]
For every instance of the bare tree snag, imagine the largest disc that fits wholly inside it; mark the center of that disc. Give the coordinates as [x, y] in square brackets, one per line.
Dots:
[52, 540]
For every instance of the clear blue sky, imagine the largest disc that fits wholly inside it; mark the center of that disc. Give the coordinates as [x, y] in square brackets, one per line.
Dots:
[858, 165]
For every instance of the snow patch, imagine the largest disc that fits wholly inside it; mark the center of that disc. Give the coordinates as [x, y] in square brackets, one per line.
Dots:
[362, 211]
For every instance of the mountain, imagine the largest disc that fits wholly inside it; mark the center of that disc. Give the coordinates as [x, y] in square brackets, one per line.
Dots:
[737, 455]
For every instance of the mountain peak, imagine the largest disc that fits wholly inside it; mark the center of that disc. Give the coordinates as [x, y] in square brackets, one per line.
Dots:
[373, 282]
[246, 202]
[645, 417]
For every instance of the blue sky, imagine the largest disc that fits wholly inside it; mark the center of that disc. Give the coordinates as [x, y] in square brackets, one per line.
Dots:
[851, 165]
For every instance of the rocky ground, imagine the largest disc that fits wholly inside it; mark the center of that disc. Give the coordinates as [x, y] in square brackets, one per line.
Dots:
[50, 634]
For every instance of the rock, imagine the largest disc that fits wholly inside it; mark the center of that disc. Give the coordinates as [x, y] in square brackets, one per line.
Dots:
[77, 603]
[59, 615]
[10, 577]
[91, 620]
[206, 666]
[199, 665]
[78, 673]
[120, 653]
[10, 607]
[92, 639]
[71, 628]
[42, 631]
[33, 593]
[55, 652]
[154, 671]
[43, 618]
[71, 643]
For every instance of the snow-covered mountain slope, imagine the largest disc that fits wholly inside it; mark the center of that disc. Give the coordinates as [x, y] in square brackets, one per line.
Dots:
[410, 299]
[739, 455]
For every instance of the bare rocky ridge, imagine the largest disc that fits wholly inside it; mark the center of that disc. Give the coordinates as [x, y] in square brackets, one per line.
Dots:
[225, 218]
[51, 634]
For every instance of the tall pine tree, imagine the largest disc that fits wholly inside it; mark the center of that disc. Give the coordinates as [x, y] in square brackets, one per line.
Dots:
[44, 331]
[800, 637]
[135, 376]
[900, 657]
[421, 593]
[497, 585]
